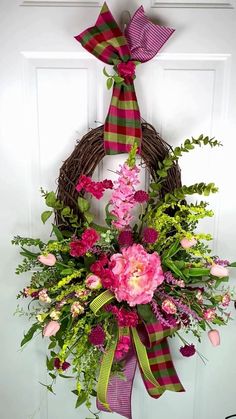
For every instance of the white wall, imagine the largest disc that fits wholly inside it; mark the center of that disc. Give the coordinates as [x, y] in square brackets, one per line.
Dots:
[51, 92]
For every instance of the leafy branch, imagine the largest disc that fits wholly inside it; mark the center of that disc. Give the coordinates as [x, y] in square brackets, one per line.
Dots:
[178, 194]
[188, 145]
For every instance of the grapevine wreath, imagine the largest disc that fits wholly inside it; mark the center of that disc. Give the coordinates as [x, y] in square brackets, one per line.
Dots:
[107, 297]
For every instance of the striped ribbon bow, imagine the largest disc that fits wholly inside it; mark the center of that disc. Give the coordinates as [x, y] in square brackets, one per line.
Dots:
[141, 42]
[150, 350]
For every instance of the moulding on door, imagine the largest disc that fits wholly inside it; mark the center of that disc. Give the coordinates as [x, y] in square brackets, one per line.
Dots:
[61, 3]
[197, 4]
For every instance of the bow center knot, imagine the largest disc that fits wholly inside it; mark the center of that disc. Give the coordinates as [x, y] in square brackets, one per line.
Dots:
[126, 70]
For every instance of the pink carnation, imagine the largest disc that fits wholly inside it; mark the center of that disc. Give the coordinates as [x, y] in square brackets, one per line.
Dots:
[122, 347]
[168, 306]
[209, 314]
[226, 300]
[138, 274]
[89, 237]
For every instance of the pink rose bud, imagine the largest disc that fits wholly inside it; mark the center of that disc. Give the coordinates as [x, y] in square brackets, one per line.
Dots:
[186, 243]
[51, 328]
[214, 337]
[48, 260]
[219, 271]
[93, 282]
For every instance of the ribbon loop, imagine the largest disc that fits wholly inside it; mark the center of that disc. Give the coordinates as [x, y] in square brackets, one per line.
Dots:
[142, 40]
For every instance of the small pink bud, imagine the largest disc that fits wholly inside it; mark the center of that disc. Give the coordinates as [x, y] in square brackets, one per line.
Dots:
[186, 243]
[51, 328]
[93, 282]
[219, 271]
[214, 337]
[48, 260]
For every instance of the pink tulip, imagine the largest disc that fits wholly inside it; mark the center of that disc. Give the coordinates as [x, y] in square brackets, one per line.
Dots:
[186, 243]
[48, 260]
[214, 337]
[51, 328]
[219, 271]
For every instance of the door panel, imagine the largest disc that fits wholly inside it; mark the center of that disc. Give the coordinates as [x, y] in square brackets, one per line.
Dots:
[51, 93]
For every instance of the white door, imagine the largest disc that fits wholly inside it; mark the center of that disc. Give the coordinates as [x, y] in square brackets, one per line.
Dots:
[51, 92]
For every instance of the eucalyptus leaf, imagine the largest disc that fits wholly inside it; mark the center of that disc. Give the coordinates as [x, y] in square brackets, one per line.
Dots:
[46, 215]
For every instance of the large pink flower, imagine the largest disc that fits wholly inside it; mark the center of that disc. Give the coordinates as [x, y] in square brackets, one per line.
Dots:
[138, 274]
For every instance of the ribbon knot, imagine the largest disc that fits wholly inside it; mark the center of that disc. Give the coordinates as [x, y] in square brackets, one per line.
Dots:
[126, 70]
[141, 42]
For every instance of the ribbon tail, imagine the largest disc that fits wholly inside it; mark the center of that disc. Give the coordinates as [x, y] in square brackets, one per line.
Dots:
[104, 375]
[120, 390]
[123, 122]
[144, 363]
[160, 360]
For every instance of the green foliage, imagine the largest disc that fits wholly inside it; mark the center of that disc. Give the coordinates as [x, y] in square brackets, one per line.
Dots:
[179, 194]
[188, 145]
[132, 155]
[29, 335]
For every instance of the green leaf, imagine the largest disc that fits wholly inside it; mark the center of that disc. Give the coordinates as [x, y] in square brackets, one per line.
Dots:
[66, 272]
[66, 212]
[232, 265]
[145, 312]
[57, 233]
[83, 204]
[109, 83]
[198, 271]
[81, 399]
[50, 364]
[118, 79]
[66, 376]
[89, 217]
[52, 344]
[105, 72]
[49, 388]
[28, 336]
[46, 215]
[174, 248]
[174, 268]
[51, 199]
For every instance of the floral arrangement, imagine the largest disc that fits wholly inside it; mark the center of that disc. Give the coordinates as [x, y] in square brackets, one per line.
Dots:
[97, 292]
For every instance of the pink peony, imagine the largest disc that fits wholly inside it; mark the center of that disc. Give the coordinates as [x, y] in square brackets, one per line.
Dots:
[209, 314]
[168, 306]
[186, 243]
[48, 260]
[219, 271]
[214, 337]
[51, 328]
[93, 282]
[138, 274]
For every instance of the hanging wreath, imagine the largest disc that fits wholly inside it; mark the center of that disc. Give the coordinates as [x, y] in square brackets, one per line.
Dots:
[107, 297]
